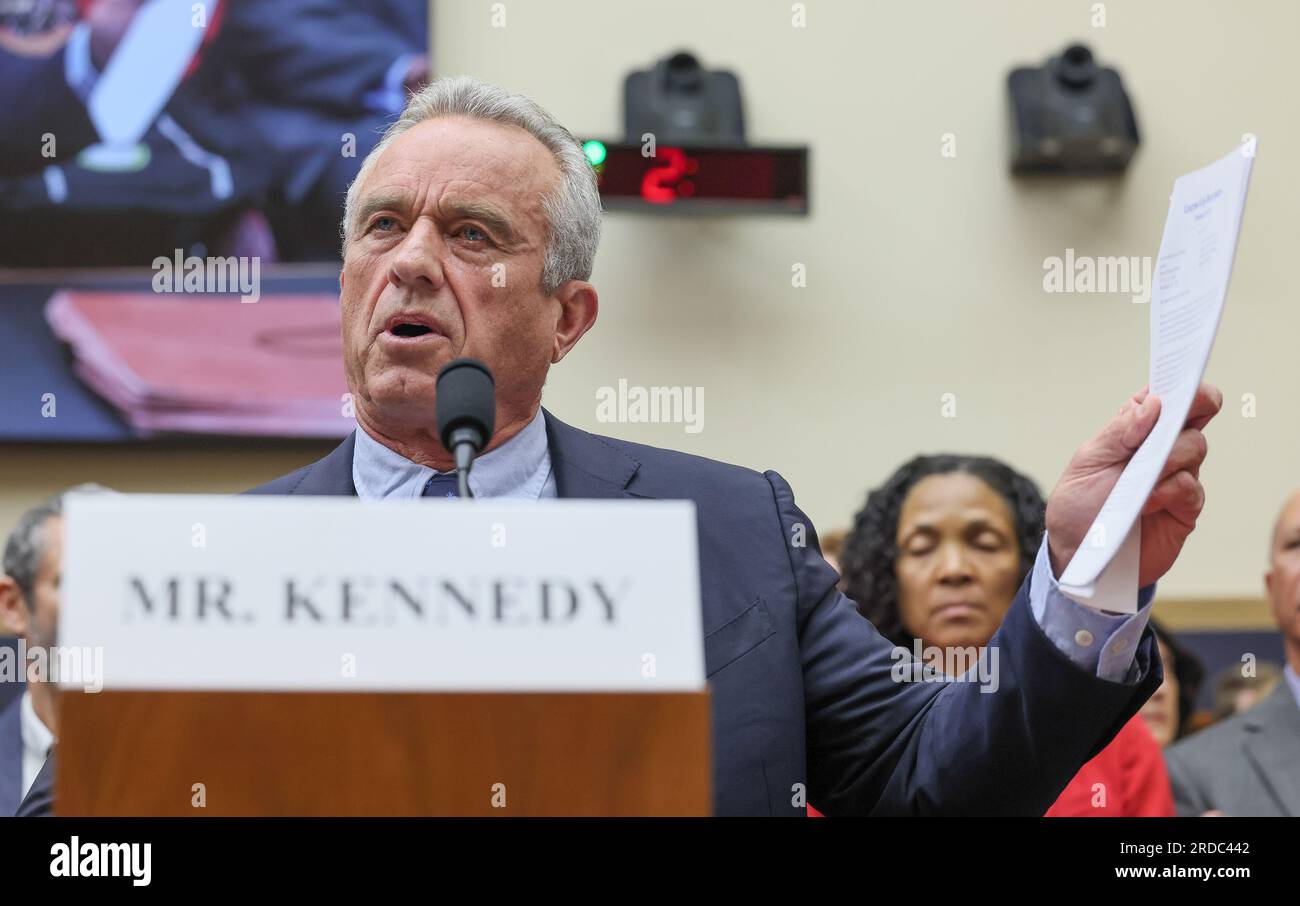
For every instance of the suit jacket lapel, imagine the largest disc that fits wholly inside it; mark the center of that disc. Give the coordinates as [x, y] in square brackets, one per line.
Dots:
[585, 465]
[1272, 745]
[331, 476]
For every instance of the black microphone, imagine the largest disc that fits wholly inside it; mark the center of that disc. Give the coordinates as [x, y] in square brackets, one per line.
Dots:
[466, 413]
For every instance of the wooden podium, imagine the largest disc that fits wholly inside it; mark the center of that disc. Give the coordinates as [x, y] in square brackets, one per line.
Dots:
[162, 753]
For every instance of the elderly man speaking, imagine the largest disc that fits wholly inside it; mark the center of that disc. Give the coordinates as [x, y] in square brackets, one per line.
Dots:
[471, 230]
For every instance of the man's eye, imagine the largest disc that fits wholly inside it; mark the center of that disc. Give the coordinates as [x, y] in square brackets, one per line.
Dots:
[383, 224]
[473, 233]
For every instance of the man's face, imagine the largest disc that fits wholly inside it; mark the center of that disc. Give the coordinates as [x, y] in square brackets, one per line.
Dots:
[1283, 576]
[37, 618]
[445, 260]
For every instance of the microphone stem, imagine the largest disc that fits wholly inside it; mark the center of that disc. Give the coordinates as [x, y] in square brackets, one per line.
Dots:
[464, 460]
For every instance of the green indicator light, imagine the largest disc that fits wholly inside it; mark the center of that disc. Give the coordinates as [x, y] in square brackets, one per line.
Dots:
[595, 152]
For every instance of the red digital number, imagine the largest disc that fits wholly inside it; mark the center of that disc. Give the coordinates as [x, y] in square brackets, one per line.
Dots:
[664, 185]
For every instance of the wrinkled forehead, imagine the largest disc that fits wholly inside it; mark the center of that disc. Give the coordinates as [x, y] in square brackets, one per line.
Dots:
[466, 161]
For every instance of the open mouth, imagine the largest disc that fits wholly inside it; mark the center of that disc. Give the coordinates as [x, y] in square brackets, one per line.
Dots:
[410, 330]
[410, 326]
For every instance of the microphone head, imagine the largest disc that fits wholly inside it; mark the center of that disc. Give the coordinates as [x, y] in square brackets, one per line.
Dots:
[466, 399]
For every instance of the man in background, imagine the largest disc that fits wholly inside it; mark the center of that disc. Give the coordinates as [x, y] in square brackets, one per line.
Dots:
[1236, 691]
[29, 610]
[1250, 764]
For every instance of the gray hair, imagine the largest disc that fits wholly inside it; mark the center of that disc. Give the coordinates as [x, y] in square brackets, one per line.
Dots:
[572, 211]
[27, 541]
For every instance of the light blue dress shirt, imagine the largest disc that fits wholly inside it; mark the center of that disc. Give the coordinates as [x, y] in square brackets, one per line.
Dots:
[520, 469]
[1100, 642]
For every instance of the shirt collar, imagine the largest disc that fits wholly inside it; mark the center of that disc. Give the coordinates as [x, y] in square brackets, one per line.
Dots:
[37, 737]
[518, 469]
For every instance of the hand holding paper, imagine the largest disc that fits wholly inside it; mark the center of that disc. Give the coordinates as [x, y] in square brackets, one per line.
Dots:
[1170, 512]
[1130, 497]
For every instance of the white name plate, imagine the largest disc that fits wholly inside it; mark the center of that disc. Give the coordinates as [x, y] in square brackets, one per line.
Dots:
[323, 593]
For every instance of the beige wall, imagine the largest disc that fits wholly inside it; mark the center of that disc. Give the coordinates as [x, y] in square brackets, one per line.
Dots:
[924, 272]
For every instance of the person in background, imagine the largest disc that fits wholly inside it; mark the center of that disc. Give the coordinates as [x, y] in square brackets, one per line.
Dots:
[1168, 713]
[29, 605]
[936, 555]
[29, 609]
[1249, 764]
[1236, 692]
[832, 546]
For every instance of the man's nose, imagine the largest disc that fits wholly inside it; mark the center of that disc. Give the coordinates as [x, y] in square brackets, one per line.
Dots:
[417, 262]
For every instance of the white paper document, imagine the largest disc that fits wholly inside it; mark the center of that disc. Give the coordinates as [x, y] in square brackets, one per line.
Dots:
[1191, 283]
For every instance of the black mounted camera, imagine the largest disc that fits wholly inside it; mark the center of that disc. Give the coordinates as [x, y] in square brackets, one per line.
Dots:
[681, 102]
[1071, 117]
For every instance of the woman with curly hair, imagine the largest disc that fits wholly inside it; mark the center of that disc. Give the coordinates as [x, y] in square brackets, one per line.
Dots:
[909, 582]
[936, 555]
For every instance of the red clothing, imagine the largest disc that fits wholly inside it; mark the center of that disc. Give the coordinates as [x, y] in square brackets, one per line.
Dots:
[1127, 779]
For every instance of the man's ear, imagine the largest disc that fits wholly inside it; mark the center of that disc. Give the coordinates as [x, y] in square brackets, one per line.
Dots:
[578, 307]
[14, 617]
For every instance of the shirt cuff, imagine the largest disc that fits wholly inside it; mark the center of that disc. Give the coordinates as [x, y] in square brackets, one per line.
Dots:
[1101, 643]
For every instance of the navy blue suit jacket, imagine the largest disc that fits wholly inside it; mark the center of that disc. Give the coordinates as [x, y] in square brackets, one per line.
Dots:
[11, 756]
[801, 684]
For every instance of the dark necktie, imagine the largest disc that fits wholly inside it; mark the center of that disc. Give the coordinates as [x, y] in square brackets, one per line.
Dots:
[443, 485]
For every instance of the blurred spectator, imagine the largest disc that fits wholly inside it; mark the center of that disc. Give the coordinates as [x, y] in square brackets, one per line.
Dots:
[29, 609]
[1236, 691]
[971, 526]
[1250, 763]
[1168, 713]
[833, 546]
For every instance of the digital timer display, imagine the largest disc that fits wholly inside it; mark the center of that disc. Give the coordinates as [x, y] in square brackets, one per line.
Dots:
[699, 179]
